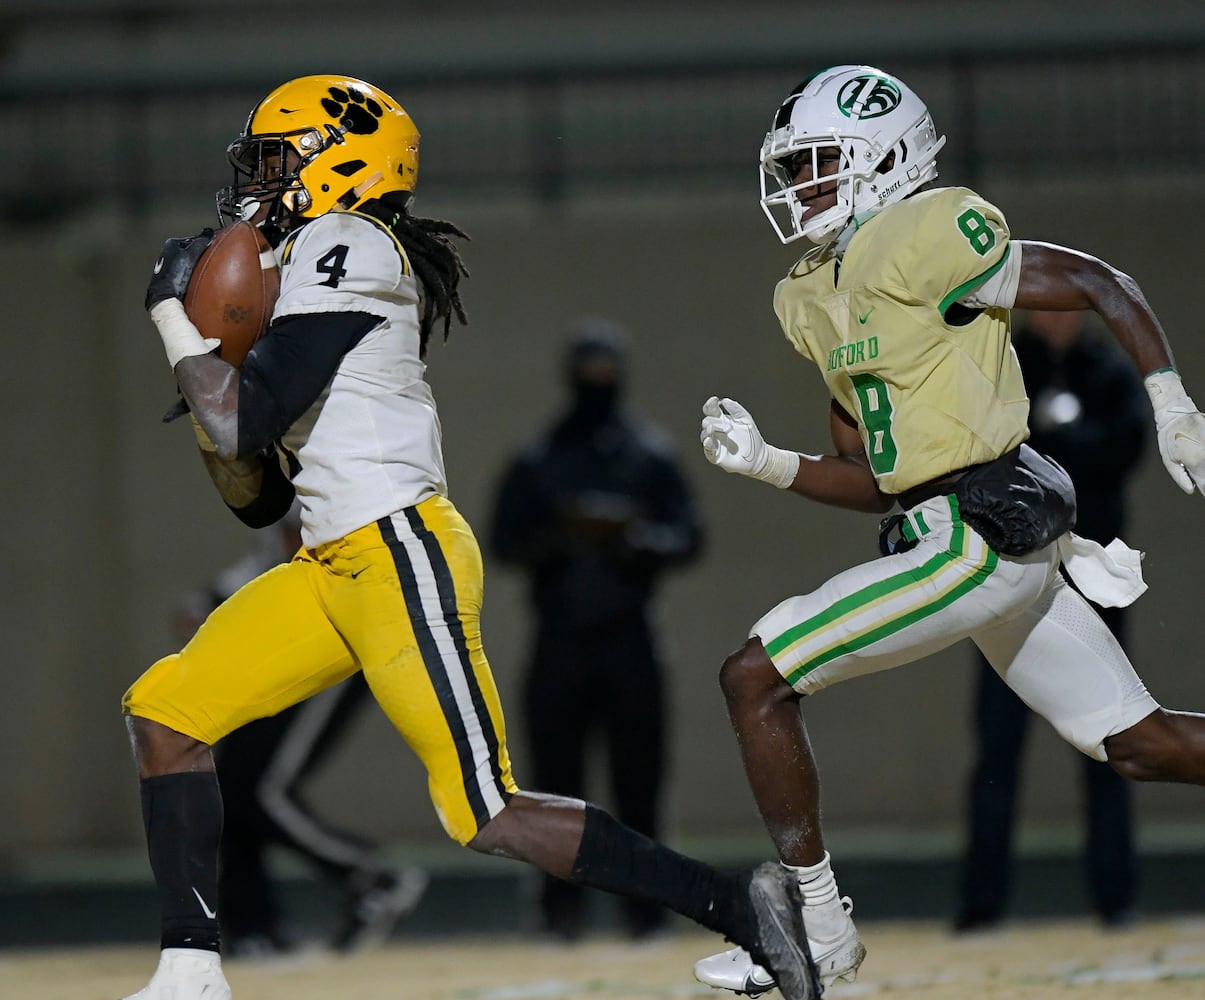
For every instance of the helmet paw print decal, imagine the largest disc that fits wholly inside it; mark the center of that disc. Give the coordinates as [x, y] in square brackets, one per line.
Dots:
[358, 113]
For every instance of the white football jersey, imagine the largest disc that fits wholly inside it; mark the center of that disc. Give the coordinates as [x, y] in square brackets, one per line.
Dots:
[371, 443]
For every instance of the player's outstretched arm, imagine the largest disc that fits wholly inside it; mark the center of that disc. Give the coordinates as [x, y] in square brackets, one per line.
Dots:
[1059, 278]
[732, 440]
[1054, 277]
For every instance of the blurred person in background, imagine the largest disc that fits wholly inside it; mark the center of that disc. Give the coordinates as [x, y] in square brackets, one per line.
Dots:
[265, 766]
[1089, 413]
[594, 510]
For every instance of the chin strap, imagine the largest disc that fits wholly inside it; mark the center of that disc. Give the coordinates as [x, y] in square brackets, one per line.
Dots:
[855, 223]
[836, 245]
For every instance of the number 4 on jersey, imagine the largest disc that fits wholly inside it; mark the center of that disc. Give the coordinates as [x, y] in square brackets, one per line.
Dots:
[331, 264]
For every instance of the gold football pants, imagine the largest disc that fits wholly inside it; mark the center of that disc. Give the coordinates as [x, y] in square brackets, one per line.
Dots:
[400, 600]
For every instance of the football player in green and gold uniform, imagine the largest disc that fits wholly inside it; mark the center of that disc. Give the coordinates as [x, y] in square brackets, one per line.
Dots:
[331, 406]
[903, 304]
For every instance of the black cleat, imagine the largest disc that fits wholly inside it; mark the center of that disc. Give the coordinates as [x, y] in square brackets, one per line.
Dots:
[377, 903]
[782, 941]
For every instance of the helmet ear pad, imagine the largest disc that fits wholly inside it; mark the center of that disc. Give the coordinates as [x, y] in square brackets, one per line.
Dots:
[296, 201]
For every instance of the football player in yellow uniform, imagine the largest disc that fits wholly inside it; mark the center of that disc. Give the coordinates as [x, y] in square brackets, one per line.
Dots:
[331, 406]
[903, 304]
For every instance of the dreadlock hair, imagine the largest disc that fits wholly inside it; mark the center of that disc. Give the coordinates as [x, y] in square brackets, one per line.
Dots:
[429, 243]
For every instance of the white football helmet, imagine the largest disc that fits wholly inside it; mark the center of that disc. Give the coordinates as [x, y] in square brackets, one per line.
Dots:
[887, 142]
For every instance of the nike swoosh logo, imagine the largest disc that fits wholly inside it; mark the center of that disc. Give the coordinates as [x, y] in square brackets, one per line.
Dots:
[158, 265]
[866, 315]
[211, 914]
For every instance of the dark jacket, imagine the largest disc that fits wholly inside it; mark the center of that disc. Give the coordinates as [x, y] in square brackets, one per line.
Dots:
[1102, 445]
[594, 510]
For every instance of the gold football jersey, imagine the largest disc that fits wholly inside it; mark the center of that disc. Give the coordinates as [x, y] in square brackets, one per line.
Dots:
[932, 391]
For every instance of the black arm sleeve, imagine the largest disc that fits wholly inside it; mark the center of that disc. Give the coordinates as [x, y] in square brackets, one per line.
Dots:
[275, 495]
[288, 369]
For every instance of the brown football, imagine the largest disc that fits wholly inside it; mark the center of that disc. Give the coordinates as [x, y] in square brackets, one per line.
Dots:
[233, 290]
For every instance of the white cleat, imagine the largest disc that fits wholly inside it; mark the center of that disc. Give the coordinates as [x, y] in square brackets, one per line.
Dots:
[832, 938]
[186, 974]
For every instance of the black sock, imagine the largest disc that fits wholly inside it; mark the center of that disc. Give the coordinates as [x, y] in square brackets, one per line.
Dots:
[182, 814]
[620, 860]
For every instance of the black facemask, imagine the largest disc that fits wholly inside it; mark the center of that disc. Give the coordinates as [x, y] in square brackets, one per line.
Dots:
[594, 402]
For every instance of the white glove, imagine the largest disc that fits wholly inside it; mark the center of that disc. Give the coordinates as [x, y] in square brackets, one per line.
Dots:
[1180, 428]
[732, 441]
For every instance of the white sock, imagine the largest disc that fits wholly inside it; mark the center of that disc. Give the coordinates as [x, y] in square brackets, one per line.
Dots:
[196, 959]
[816, 882]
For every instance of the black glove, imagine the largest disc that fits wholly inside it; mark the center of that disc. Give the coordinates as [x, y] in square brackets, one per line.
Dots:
[174, 412]
[174, 267]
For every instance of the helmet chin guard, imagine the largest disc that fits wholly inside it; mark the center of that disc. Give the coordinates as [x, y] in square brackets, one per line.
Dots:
[881, 133]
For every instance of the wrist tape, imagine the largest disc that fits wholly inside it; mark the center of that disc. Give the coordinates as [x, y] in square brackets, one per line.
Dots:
[1168, 398]
[180, 338]
[779, 468]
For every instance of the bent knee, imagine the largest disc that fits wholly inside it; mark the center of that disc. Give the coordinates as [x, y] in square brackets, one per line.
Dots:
[749, 672]
[476, 836]
[159, 749]
[1147, 750]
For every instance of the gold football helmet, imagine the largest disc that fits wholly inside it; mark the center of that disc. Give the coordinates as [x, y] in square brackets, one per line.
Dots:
[315, 144]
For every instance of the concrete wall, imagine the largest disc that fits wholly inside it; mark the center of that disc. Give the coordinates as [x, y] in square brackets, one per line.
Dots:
[109, 516]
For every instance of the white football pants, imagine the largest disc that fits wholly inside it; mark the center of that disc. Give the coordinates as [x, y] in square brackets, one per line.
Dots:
[1042, 637]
